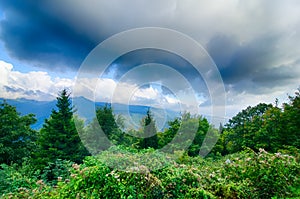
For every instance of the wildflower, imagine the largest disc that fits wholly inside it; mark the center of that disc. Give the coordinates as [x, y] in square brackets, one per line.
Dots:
[261, 150]
[83, 170]
[134, 169]
[40, 182]
[181, 165]
[73, 175]
[22, 189]
[116, 176]
[278, 155]
[227, 161]
[59, 179]
[75, 166]
[143, 169]
[263, 161]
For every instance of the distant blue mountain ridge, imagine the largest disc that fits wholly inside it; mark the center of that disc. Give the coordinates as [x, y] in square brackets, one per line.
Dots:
[132, 114]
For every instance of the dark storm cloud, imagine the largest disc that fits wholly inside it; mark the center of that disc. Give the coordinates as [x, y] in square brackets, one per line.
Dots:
[61, 33]
[240, 61]
[144, 56]
[32, 33]
[254, 63]
[282, 74]
[255, 44]
[156, 58]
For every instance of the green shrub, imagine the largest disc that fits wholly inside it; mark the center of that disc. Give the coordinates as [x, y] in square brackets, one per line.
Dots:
[54, 170]
[16, 177]
[243, 175]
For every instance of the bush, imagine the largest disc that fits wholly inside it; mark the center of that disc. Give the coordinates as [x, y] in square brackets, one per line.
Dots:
[242, 175]
[14, 177]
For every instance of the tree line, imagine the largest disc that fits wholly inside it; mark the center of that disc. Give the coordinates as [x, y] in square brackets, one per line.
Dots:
[264, 126]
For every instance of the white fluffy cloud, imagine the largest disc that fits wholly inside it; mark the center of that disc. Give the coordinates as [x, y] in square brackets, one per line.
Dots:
[36, 85]
[108, 90]
[40, 85]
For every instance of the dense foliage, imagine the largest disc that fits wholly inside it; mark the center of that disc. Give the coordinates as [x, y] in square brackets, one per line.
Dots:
[243, 175]
[16, 136]
[257, 155]
[58, 138]
[149, 132]
[102, 131]
[262, 126]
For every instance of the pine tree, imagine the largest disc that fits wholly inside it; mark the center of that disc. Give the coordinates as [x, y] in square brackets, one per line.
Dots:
[149, 130]
[103, 131]
[58, 137]
[106, 120]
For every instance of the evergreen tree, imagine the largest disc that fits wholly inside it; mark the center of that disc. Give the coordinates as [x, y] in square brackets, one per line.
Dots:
[103, 131]
[16, 136]
[149, 131]
[58, 137]
[107, 122]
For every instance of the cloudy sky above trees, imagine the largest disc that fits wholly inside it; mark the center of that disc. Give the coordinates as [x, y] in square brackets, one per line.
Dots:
[254, 44]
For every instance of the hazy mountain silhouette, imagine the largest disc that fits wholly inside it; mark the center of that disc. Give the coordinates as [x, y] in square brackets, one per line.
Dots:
[85, 109]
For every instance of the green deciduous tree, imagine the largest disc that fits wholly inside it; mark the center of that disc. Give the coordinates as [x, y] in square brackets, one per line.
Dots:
[188, 133]
[270, 136]
[203, 127]
[167, 136]
[291, 120]
[16, 136]
[244, 128]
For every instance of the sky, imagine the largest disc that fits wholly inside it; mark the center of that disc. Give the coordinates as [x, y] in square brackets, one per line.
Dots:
[254, 45]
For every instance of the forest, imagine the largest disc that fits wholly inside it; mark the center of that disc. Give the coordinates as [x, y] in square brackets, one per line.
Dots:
[256, 156]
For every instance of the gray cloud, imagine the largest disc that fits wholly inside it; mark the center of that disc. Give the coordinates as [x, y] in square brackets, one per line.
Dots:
[31, 94]
[32, 33]
[256, 63]
[147, 56]
[255, 44]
